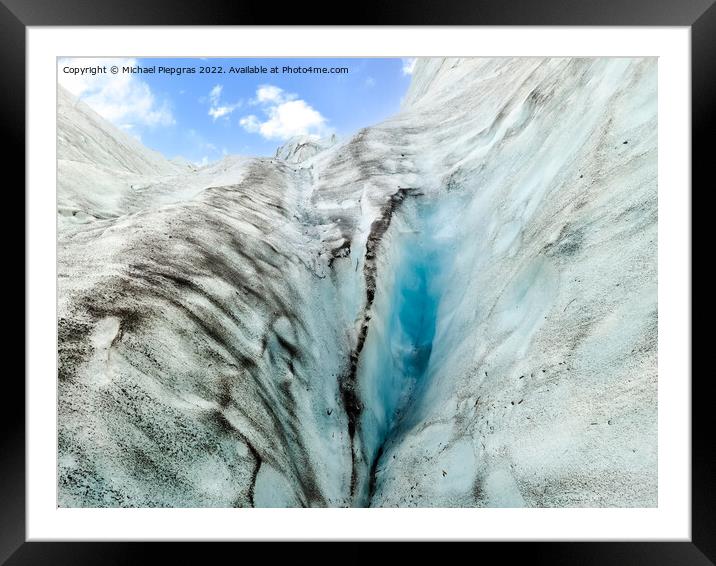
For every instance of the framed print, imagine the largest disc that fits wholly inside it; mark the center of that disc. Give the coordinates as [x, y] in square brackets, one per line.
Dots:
[425, 277]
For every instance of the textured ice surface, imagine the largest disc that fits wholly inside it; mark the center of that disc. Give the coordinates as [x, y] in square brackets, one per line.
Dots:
[302, 148]
[456, 307]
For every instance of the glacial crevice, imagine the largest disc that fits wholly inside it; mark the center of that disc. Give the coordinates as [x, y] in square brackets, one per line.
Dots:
[404, 260]
[351, 397]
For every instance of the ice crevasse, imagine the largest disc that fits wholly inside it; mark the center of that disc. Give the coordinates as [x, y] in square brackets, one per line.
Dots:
[455, 307]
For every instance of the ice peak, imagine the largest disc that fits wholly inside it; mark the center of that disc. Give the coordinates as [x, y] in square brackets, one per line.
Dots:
[301, 148]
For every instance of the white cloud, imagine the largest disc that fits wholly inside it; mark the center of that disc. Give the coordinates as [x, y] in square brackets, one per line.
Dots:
[250, 123]
[286, 115]
[270, 93]
[409, 65]
[215, 94]
[217, 109]
[123, 99]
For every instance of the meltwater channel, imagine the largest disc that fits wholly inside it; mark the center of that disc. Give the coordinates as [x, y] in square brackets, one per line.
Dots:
[394, 367]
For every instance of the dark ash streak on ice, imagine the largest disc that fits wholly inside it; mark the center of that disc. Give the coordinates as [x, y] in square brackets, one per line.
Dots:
[351, 401]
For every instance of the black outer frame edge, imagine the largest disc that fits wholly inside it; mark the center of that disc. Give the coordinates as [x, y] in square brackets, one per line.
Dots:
[421, 12]
[12, 412]
[371, 12]
[533, 553]
[703, 422]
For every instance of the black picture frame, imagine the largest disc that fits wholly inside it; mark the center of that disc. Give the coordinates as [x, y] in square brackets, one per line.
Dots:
[16, 15]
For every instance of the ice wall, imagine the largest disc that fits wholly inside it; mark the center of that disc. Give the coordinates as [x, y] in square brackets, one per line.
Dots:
[541, 389]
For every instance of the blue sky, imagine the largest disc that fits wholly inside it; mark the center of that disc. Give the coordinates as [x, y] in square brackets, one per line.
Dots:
[202, 117]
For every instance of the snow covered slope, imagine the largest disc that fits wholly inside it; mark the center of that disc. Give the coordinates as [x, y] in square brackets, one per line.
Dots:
[105, 173]
[456, 307]
[99, 166]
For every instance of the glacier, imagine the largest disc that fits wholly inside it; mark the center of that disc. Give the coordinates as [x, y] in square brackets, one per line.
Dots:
[456, 307]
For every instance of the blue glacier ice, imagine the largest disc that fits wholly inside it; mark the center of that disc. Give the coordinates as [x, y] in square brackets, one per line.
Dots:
[395, 358]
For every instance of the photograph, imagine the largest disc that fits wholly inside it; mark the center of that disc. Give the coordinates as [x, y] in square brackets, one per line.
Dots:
[373, 282]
